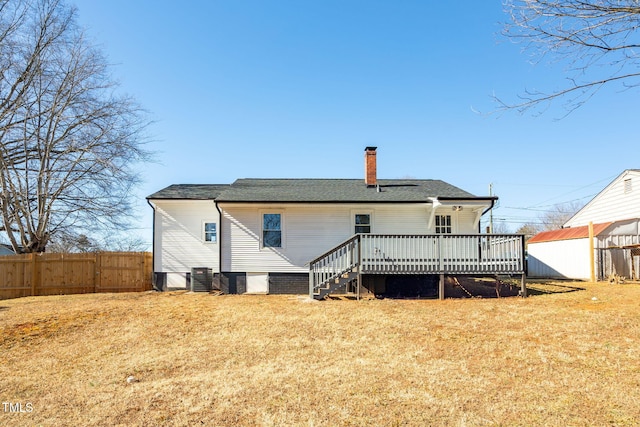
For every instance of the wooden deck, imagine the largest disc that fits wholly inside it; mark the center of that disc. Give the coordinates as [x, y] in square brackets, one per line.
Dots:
[438, 254]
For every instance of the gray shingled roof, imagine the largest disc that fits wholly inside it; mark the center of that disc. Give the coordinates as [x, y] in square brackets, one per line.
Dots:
[337, 190]
[317, 190]
[190, 191]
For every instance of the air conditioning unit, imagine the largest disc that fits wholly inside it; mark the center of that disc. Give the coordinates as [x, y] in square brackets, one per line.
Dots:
[201, 279]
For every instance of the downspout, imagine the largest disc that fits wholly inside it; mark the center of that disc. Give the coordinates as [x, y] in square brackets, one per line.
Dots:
[493, 202]
[435, 203]
[153, 248]
[215, 203]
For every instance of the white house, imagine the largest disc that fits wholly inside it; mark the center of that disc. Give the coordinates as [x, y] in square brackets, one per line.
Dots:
[615, 215]
[268, 235]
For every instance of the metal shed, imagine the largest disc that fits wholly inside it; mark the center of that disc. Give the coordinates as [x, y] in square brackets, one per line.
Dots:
[565, 253]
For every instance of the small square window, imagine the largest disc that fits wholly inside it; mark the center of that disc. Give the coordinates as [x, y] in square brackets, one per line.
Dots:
[210, 232]
[443, 224]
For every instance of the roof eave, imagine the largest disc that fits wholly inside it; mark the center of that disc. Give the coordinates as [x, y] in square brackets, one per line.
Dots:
[322, 201]
[179, 198]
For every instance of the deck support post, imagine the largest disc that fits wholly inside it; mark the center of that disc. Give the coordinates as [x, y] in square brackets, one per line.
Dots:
[359, 266]
[523, 286]
[311, 283]
[441, 287]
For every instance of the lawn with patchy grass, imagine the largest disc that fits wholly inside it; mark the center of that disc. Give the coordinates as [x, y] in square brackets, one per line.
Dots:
[556, 358]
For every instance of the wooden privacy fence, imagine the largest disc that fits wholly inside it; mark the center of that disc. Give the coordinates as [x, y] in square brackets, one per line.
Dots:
[57, 273]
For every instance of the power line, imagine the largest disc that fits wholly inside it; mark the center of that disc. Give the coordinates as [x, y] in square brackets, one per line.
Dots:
[608, 179]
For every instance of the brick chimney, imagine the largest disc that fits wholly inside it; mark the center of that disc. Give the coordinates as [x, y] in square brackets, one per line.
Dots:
[370, 174]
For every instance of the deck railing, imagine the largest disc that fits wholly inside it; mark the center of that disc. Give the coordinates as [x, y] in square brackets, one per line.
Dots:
[421, 254]
[442, 254]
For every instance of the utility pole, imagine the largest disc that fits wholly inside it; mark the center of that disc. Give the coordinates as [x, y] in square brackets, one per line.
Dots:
[491, 210]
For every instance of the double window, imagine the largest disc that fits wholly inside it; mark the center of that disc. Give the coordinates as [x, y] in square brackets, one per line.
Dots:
[272, 230]
[443, 224]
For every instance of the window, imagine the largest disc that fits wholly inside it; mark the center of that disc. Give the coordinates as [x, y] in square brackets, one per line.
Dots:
[271, 230]
[443, 224]
[210, 232]
[627, 186]
[363, 223]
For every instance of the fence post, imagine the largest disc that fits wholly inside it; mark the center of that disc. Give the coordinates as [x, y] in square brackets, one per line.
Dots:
[96, 272]
[592, 268]
[34, 273]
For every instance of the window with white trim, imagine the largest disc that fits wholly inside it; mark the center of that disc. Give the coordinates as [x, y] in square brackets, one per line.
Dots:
[362, 223]
[271, 230]
[210, 232]
[443, 224]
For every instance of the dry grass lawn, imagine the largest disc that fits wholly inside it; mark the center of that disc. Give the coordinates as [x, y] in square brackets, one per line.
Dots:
[554, 359]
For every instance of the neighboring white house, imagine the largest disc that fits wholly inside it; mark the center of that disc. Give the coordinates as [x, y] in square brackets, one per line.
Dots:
[6, 250]
[615, 215]
[259, 235]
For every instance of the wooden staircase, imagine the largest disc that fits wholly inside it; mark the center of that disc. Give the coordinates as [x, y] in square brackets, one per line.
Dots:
[334, 270]
[335, 285]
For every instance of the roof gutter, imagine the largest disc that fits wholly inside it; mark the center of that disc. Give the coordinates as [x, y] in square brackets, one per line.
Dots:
[493, 202]
[368, 201]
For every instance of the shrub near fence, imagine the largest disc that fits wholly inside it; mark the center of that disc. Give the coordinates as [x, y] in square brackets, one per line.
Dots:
[57, 273]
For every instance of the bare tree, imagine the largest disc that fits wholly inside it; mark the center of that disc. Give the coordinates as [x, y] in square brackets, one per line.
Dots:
[501, 227]
[68, 142]
[66, 243]
[597, 40]
[555, 217]
[529, 230]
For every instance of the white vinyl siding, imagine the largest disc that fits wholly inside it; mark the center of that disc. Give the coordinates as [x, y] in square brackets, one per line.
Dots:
[310, 230]
[613, 203]
[464, 222]
[179, 240]
[305, 230]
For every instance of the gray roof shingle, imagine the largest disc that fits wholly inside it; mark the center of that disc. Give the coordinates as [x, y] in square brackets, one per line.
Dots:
[190, 192]
[337, 190]
[317, 190]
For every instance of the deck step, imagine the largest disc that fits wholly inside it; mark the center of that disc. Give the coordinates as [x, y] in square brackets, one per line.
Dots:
[335, 285]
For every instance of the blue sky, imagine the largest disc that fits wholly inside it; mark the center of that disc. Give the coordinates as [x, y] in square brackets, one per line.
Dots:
[295, 89]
